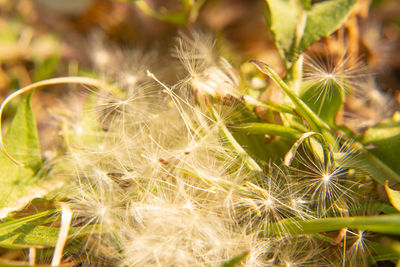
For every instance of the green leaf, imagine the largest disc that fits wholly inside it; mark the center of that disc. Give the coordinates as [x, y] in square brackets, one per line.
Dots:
[284, 30]
[36, 235]
[323, 19]
[385, 138]
[22, 139]
[236, 260]
[385, 224]
[374, 207]
[376, 168]
[324, 99]
[394, 196]
[30, 231]
[287, 18]
[22, 142]
[30, 235]
[13, 224]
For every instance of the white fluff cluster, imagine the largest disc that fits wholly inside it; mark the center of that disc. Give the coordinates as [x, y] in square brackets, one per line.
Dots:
[168, 186]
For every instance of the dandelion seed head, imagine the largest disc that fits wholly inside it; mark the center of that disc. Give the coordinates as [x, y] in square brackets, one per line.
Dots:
[208, 74]
[326, 177]
[333, 73]
[324, 185]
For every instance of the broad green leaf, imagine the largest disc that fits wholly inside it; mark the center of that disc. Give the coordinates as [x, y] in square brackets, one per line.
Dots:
[30, 235]
[283, 21]
[252, 137]
[22, 142]
[325, 99]
[323, 19]
[22, 139]
[236, 260]
[319, 20]
[394, 196]
[385, 138]
[385, 224]
[255, 146]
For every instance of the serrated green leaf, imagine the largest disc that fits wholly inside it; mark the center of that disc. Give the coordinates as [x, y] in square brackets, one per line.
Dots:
[394, 196]
[323, 19]
[284, 30]
[22, 142]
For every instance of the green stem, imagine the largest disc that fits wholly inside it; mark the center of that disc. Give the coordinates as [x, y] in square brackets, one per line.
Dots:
[250, 163]
[313, 120]
[268, 104]
[385, 224]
